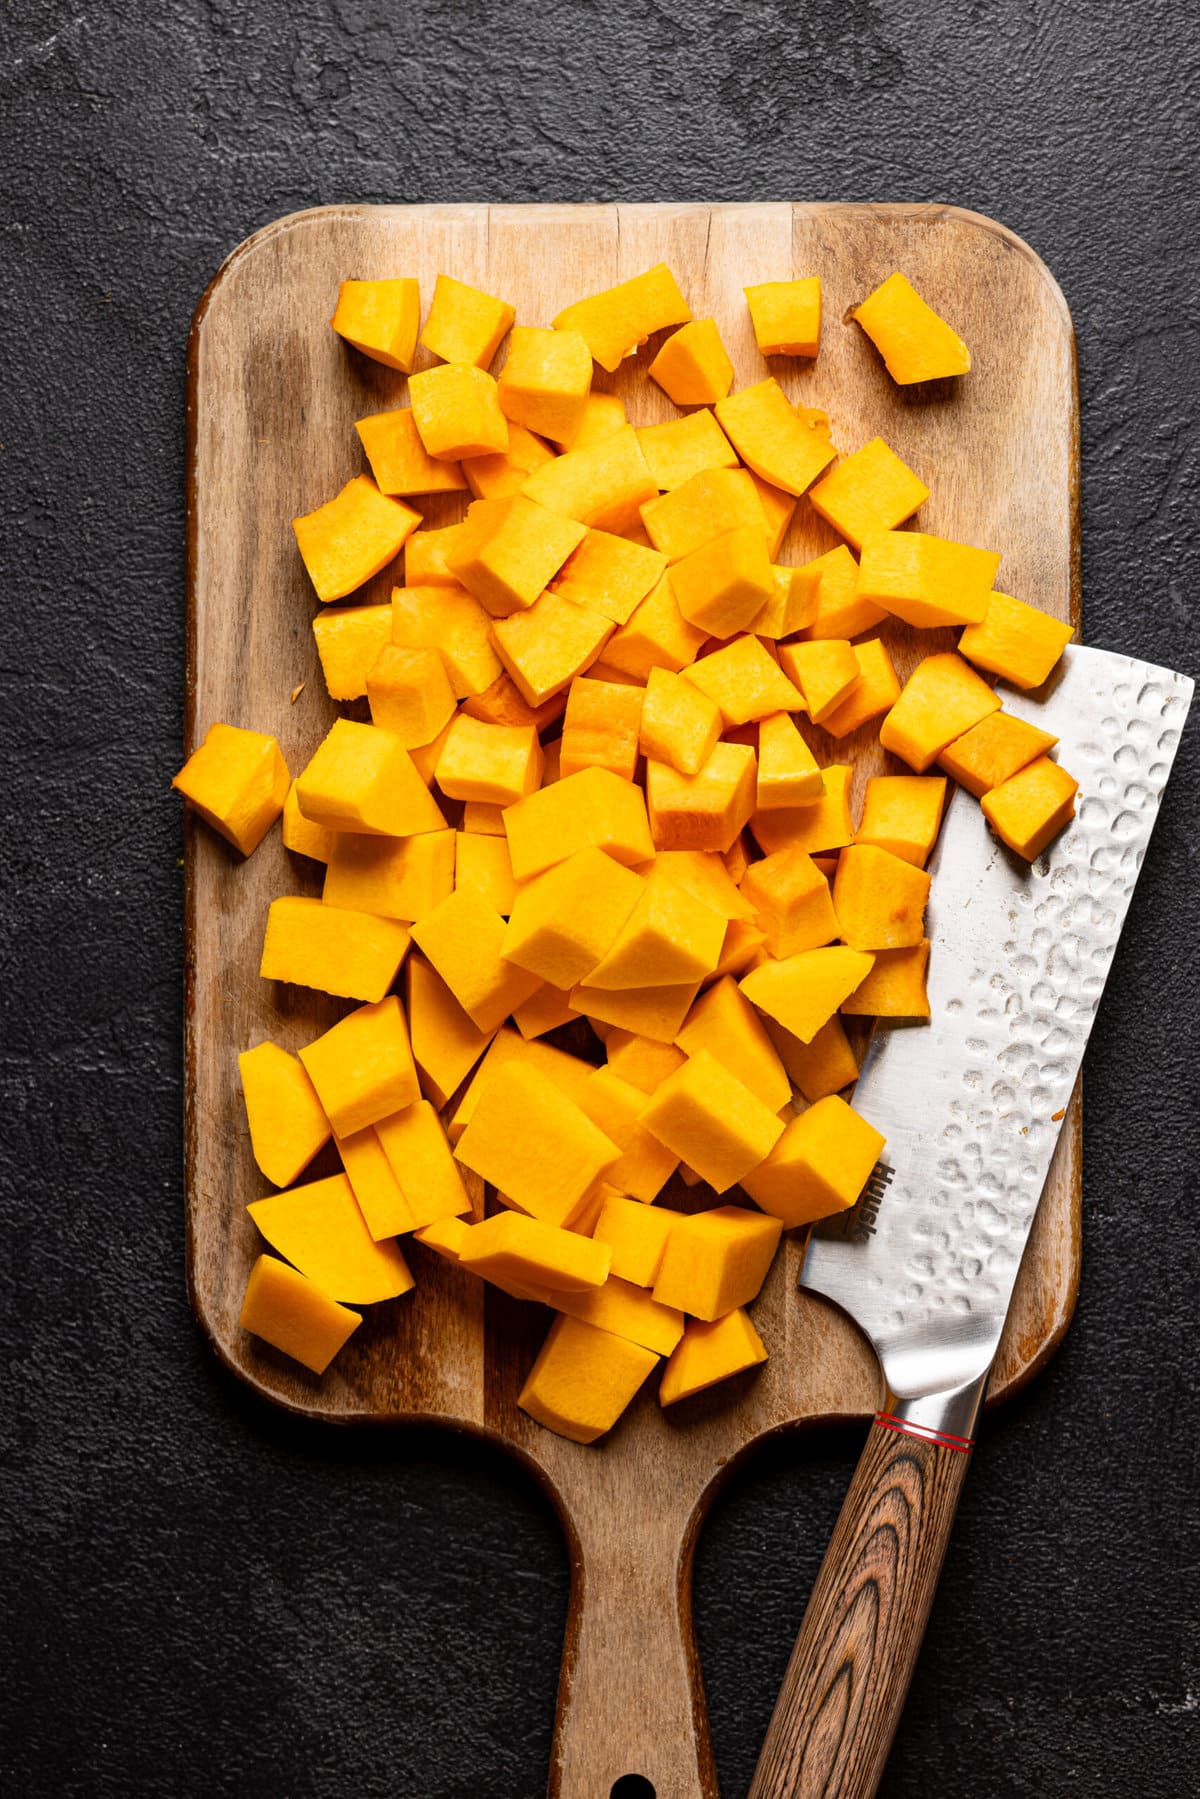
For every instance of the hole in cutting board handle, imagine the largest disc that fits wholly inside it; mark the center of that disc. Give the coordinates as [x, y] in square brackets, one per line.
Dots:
[631, 1786]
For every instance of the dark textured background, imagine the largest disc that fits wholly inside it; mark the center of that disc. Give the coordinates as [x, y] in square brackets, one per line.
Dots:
[209, 1599]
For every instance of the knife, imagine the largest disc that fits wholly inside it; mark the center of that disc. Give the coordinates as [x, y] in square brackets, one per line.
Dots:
[970, 1103]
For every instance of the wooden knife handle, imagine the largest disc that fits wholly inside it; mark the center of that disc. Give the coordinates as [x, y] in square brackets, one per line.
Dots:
[849, 1672]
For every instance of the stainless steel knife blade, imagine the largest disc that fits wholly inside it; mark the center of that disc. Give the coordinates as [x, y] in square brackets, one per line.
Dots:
[970, 1102]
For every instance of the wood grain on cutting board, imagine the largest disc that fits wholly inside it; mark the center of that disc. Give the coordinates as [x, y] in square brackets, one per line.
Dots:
[273, 395]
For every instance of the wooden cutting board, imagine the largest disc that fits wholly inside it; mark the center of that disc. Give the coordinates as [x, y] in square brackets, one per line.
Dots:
[272, 397]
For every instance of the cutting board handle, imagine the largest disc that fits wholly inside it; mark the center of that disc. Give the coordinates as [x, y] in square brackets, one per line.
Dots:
[846, 1682]
[630, 1700]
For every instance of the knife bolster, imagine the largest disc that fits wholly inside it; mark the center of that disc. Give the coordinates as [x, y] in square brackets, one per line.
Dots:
[947, 1419]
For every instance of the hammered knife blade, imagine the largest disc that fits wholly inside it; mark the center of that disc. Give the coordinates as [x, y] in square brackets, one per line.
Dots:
[970, 1104]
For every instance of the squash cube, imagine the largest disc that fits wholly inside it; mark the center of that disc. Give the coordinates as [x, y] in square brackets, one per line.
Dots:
[602, 415]
[788, 774]
[238, 782]
[320, 1230]
[879, 898]
[502, 703]
[721, 586]
[786, 316]
[622, 1308]
[655, 1012]
[609, 575]
[565, 920]
[827, 1064]
[825, 671]
[693, 366]
[744, 947]
[457, 411]
[445, 1237]
[410, 694]
[706, 506]
[640, 1061]
[791, 608]
[822, 824]
[802, 992]
[645, 1164]
[349, 954]
[820, 1165]
[512, 1247]
[378, 1193]
[657, 636]
[841, 611]
[915, 343]
[390, 877]
[462, 937]
[494, 763]
[622, 317]
[1031, 807]
[686, 446]
[504, 473]
[415, 1145]
[483, 862]
[451, 620]
[362, 1067]
[286, 1120]
[941, 700]
[601, 728]
[349, 639]
[545, 382]
[362, 779]
[703, 873]
[351, 537]
[895, 987]
[506, 551]
[544, 648]
[745, 681]
[400, 463]
[902, 814]
[593, 808]
[380, 318]
[527, 1138]
[868, 492]
[793, 908]
[294, 1316]
[710, 1352]
[993, 750]
[637, 1236]
[875, 692]
[603, 485]
[926, 580]
[704, 811]
[779, 509]
[679, 723]
[724, 1023]
[583, 1379]
[785, 445]
[445, 1043]
[1015, 641]
[567, 1073]
[718, 1260]
[704, 1112]
[668, 937]
[544, 1011]
[465, 325]
[425, 557]
[300, 835]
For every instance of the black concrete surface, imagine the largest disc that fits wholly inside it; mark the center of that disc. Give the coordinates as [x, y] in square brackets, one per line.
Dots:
[201, 1597]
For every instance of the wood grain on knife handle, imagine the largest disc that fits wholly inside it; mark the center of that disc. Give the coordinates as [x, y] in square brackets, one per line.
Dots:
[849, 1672]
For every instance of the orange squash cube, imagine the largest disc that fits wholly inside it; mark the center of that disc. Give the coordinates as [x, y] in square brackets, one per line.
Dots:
[825, 671]
[362, 779]
[704, 1112]
[1032, 807]
[993, 750]
[604, 485]
[457, 411]
[351, 537]
[656, 636]
[294, 1316]
[779, 509]
[704, 811]
[238, 782]
[593, 808]
[483, 862]
[348, 640]
[895, 987]
[425, 557]
[645, 1165]
[705, 506]
[802, 992]
[916, 345]
[410, 694]
[503, 704]
[786, 316]
[669, 937]
[546, 646]
[785, 446]
[544, 1011]
[709, 1352]
[286, 1120]
[693, 366]
[721, 586]
[390, 877]
[942, 699]
[926, 580]
[1015, 641]
[504, 472]
[545, 383]
[583, 1379]
[506, 551]
[793, 908]
[463, 937]
[602, 415]
[564, 921]
[511, 1247]
[622, 317]
[494, 763]
[823, 824]
[609, 575]
[450, 620]
[601, 727]
[362, 1068]
[826, 1065]
[655, 1012]
[868, 492]
[300, 835]
[724, 1023]
[445, 1043]
[820, 1165]
[399, 461]
[628, 1313]
[744, 681]
[874, 693]
[415, 1145]
[567, 1073]
[636, 1234]
[840, 609]
[380, 318]
[465, 325]
[902, 814]
[716, 1261]
[879, 898]
[685, 447]
[533, 1143]
[640, 1061]
[788, 774]
[679, 724]
[378, 1193]
[349, 954]
[703, 874]
[791, 608]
